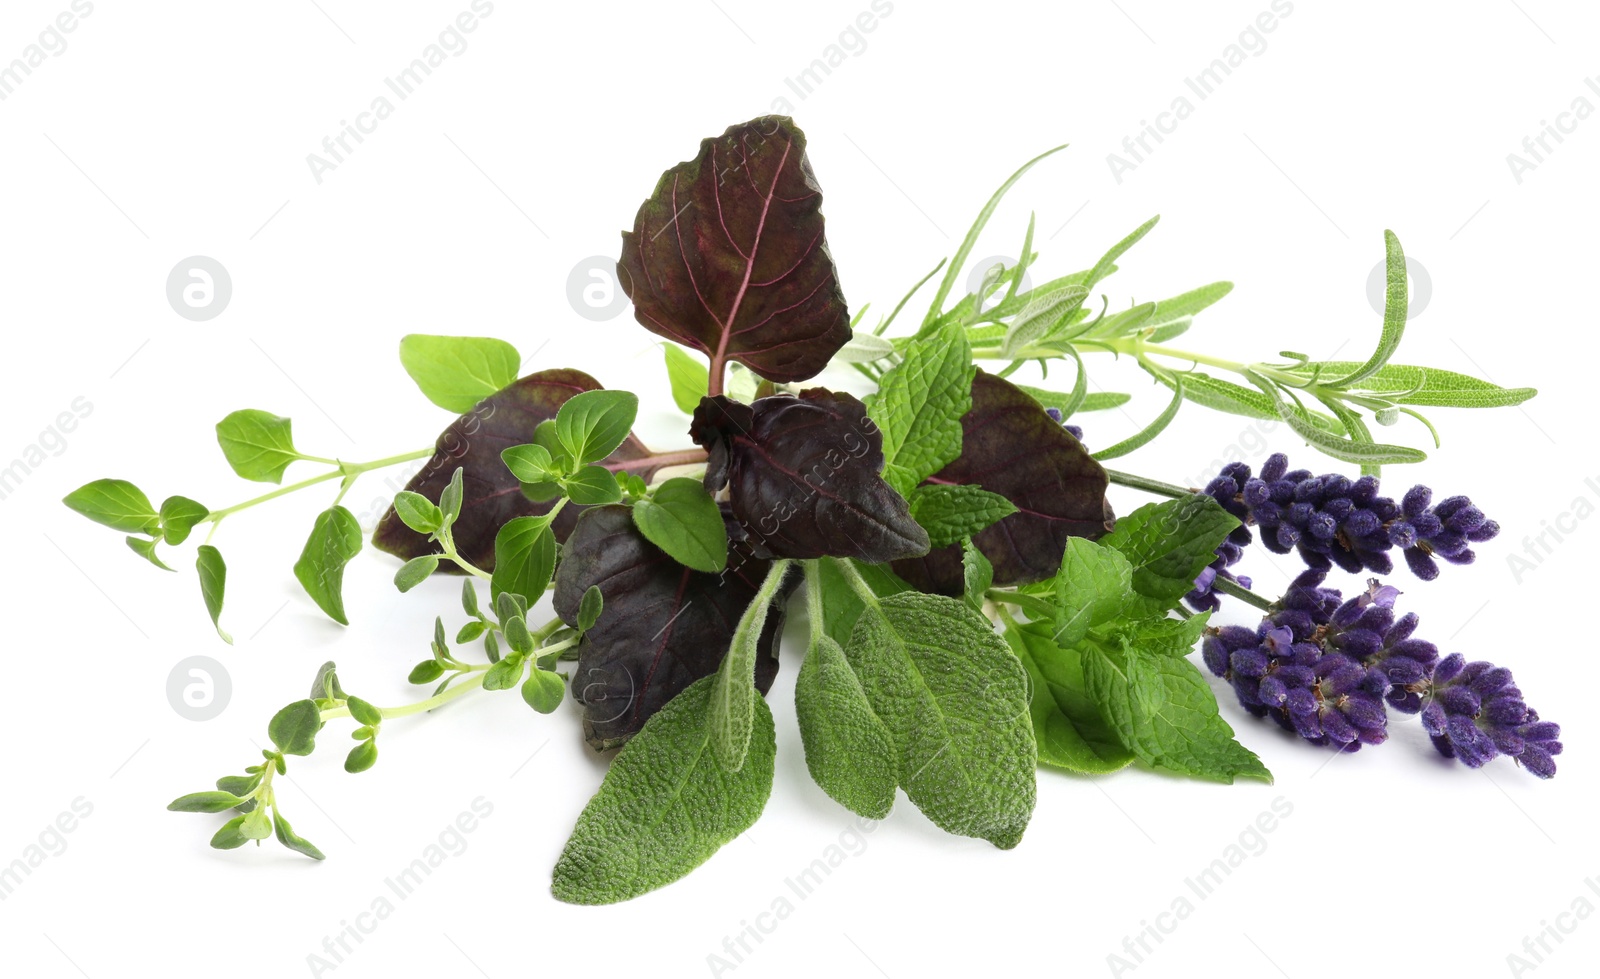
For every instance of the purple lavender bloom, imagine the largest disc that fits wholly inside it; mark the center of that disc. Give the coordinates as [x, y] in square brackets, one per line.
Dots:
[1327, 668]
[1333, 520]
[1476, 713]
[1073, 430]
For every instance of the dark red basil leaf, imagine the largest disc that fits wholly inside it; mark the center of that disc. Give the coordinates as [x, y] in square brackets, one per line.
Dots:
[491, 495]
[728, 256]
[1011, 447]
[802, 477]
[662, 626]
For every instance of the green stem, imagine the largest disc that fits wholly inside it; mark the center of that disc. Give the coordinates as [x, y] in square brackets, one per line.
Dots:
[814, 609]
[344, 469]
[1155, 486]
[1242, 593]
[857, 583]
[1036, 607]
[471, 683]
[1138, 348]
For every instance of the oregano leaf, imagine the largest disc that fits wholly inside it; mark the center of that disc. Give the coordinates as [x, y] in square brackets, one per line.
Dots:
[258, 444]
[115, 503]
[335, 539]
[456, 373]
[213, 583]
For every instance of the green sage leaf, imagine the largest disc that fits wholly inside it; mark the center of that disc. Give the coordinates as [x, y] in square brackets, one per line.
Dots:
[954, 698]
[666, 805]
[734, 695]
[848, 749]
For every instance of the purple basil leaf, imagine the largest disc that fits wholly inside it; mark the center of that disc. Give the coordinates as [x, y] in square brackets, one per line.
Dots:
[662, 626]
[492, 496]
[728, 256]
[1011, 447]
[802, 477]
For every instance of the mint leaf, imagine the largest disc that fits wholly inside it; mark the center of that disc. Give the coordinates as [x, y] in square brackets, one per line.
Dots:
[733, 696]
[286, 835]
[258, 444]
[1091, 588]
[524, 558]
[117, 504]
[848, 749]
[294, 728]
[1160, 706]
[949, 513]
[919, 405]
[1169, 544]
[689, 378]
[179, 515]
[665, 806]
[592, 424]
[335, 539]
[456, 373]
[977, 574]
[1066, 722]
[213, 583]
[955, 701]
[682, 519]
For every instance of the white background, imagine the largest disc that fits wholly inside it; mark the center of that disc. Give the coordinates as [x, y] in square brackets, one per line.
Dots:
[165, 131]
